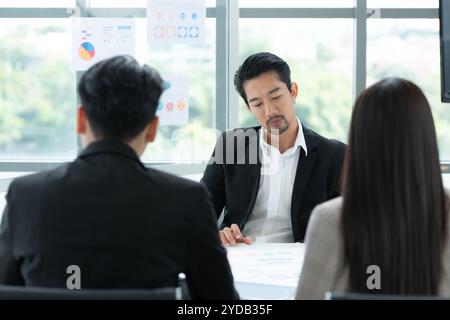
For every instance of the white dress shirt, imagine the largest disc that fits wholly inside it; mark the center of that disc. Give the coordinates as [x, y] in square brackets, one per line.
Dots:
[270, 220]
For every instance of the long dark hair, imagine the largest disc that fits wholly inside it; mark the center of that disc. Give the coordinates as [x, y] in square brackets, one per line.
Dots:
[395, 209]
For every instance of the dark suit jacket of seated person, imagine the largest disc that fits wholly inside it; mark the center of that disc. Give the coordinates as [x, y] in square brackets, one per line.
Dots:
[269, 178]
[123, 225]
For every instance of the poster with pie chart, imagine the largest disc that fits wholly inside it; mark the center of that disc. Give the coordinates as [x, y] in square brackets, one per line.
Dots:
[173, 107]
[95, 39]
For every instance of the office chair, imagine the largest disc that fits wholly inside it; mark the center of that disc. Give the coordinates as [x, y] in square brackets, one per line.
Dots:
[368, 296]
[39, 293]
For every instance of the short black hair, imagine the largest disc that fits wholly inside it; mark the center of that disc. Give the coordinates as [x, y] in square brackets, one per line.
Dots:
[120, 97]
[260, 63]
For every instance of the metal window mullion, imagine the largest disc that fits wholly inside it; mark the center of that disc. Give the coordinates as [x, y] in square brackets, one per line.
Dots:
[360, 48]
[410, 13]
[81, 5]
[296, 13]
[130, 12]
[233, 63]
[85, 12]
[191, 168]
[35, 12]
[220, 112]
[387, 13]
[227, 54]
[318, 13]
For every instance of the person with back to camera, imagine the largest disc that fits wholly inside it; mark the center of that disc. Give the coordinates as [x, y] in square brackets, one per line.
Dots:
[392, 220]
[108, 214]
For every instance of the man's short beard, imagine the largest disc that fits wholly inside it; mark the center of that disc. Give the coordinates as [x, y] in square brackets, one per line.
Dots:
[277, 131]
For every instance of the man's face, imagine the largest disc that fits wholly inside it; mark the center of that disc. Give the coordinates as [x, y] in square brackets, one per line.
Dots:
[271, 102]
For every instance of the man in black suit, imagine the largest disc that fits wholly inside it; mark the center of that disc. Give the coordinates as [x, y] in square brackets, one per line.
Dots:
[269, 178]
[118, 223]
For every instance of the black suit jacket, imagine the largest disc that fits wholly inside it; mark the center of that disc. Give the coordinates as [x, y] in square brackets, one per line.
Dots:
[125, 226]
[235, 186]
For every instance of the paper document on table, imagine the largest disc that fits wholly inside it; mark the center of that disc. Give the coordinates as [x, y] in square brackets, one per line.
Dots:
[267, 263]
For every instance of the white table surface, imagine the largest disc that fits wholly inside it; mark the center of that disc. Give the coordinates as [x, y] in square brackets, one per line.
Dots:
[266, 270]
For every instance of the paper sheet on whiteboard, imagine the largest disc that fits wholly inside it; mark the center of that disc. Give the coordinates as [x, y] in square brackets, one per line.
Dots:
[176, 21]
[95, 39]
[173, 107]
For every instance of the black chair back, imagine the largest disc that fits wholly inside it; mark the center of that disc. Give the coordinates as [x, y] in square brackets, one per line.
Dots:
[38, 293]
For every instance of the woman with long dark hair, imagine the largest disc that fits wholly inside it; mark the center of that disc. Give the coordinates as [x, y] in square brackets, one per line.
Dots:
[388, 233]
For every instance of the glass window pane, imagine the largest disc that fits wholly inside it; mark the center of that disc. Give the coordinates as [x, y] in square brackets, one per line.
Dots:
[403, 3]
[38, 4]
[195, 140]
[117, 4]
[37, 90]
[131, 3]
[321, 65]
[296, 4]
[409, 48]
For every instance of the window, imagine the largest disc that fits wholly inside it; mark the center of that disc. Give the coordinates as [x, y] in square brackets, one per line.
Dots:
[130, 3]
[296, 4]
[195, 140]
[37, 90]
[409, 48]
[38, 4]
[321, 65]
[402, 3]
[316, 37]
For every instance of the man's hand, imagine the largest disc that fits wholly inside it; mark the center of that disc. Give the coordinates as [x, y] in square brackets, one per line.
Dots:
[233, 235]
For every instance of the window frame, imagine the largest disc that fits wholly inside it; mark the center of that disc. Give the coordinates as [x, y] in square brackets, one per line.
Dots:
[227, 14]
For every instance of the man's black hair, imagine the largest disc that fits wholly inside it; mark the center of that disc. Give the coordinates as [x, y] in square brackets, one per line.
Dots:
[260, 63]
[120, 97]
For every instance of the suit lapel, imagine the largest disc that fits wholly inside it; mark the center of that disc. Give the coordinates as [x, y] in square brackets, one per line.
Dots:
[304, 169]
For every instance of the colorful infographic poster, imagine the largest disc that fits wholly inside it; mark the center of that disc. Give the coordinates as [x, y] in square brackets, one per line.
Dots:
[95, 39]
[173, 107]
[176, 21]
